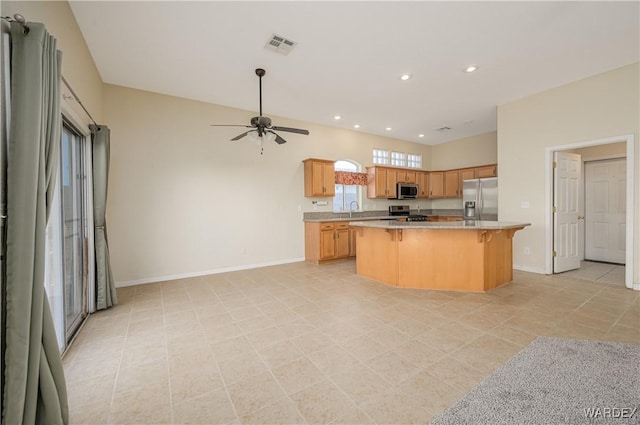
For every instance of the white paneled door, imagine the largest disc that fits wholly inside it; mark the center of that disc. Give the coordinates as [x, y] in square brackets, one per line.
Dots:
[605, 210]
[566, 194]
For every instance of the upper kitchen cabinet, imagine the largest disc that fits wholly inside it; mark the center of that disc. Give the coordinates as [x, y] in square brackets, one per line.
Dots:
[436, 184]
[381, 182]
[465, 174]
[486, 171]
[452, 184]
[422, 179]
[319, 177]
[406, 176]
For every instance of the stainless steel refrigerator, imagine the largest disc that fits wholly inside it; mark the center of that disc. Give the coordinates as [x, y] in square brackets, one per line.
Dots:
[484, 192]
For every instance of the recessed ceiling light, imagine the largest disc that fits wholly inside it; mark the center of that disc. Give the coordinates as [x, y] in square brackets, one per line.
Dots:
[471, 68]
[388, 128]
[337, 117]
[356, 126]
[405, 77]
[420, 135]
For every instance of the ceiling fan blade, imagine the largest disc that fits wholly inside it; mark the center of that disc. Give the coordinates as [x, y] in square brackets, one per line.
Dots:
[291, 130]
[229, 125]
[279, 140]
[240, 136]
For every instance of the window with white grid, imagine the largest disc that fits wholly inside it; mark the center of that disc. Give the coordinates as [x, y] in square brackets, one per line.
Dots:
[414, 160]
[399, 159]
[380, 156]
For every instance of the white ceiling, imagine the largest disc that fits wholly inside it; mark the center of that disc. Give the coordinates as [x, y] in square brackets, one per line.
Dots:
[350, 56]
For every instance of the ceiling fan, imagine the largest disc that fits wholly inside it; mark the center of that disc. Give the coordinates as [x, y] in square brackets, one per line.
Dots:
[261, 127]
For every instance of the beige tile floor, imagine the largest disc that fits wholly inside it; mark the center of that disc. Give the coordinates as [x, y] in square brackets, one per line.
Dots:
[599, 272]
[307, 344]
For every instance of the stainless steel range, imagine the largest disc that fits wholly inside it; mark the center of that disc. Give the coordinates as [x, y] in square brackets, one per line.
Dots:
[404, 211]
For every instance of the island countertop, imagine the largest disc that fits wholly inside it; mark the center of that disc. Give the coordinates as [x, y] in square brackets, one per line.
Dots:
[447, 225]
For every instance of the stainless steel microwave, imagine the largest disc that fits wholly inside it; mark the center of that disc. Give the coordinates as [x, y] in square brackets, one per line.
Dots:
[406, 191]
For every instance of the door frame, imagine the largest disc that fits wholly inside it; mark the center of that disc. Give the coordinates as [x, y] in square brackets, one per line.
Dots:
[72, 116]
[630, 253]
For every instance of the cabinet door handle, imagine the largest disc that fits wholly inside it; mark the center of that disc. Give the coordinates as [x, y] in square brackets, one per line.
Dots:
[400, 235]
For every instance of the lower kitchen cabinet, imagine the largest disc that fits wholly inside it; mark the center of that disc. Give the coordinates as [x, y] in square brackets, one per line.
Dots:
[326, 241]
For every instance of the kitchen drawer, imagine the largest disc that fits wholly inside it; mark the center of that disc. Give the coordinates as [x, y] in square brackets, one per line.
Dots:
[327, 226]
[344, 225]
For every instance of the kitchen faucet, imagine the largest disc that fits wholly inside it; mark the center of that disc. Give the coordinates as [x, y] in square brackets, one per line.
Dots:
[352, 210]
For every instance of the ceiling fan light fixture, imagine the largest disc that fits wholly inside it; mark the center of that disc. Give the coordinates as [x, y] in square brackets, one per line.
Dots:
[269, 136]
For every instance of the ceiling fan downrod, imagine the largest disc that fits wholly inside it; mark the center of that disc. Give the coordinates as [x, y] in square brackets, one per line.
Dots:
[260, 73]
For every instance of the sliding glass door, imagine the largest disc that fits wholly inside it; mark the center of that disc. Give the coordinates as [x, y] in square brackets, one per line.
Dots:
[73, 228]
[67, 243]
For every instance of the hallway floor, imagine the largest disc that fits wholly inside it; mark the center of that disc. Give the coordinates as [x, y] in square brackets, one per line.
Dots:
[599, 272]
[307, 344]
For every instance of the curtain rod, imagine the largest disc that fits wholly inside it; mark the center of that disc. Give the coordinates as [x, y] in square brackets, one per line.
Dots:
[20, 19]
[77, 99]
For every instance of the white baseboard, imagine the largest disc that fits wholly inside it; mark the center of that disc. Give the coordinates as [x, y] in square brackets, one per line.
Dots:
[205, 272]
[528, 269]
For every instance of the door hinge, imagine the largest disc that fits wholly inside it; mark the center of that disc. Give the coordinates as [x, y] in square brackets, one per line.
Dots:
[555, 254]
[554, 209]
[555, 164]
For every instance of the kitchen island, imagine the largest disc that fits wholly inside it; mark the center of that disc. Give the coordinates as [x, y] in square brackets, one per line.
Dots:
[470, 256]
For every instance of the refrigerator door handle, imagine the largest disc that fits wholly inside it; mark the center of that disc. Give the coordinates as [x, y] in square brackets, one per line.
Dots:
[480, 200]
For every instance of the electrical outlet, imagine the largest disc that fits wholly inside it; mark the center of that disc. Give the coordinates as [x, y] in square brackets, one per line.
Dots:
[527, 250]
[524, 204]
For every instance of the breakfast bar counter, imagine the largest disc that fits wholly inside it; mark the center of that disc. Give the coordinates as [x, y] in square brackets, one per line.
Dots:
[472, 256]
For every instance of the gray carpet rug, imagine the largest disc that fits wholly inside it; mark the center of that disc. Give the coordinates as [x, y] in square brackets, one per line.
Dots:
[557, 381]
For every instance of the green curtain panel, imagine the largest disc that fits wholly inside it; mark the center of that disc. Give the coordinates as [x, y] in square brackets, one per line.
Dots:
[105, 285]
[34, 390]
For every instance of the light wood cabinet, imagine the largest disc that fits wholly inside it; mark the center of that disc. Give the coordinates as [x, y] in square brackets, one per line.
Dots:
[382, 182]
[436, 184]
[465, 174]
[319, 177]
[452, 184]
[406, 176]
[352, 242]
[471, 260]
[327, 241]
[422, 179]
[343, 244]
[486, 171]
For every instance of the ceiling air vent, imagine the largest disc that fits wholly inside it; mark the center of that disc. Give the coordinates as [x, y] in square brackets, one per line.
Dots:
[443, 129]
[280, 44]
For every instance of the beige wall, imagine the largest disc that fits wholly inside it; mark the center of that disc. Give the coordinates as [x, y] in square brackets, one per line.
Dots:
[602, 106]
[468, 152]
[78, 67]
[591, 153]
[184, 199]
